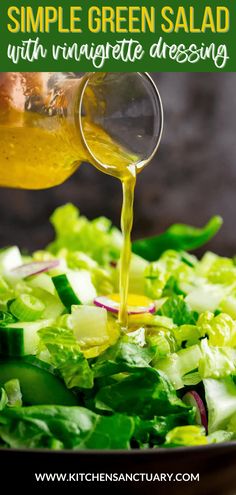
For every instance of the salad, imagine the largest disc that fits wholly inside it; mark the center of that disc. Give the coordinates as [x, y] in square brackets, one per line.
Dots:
[70, 379]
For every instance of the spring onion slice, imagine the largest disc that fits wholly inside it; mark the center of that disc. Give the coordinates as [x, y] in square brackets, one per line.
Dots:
[27, 307]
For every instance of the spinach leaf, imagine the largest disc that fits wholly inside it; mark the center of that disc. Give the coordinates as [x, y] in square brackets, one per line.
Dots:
[64, 427]
[145, 393]
[179, 237]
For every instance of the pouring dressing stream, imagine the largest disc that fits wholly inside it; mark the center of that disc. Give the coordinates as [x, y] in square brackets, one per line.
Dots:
[52, 122]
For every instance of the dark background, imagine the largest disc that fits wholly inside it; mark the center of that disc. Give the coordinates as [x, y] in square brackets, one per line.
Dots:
[192, 177]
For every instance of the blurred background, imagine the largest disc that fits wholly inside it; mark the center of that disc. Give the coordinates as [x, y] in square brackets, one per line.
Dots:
[192, 177]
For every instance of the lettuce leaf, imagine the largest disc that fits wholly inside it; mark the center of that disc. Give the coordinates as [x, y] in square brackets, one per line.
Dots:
[205, 297]
[176, 308]
[64, 427]
[66, 356]
[216, 362]
[177, 365]
[179, 237]
[221, 436]
[186, 436]
[167, 274]
[221, 403]
[217, 269]
[13, 391]
[187, 335]
[153, 431]
[96, 238]
[137, 337]
[220, 329]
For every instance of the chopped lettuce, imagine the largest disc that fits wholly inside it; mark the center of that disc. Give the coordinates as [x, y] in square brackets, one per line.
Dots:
[178, 364]
[167, 274]
[185, 436]
[205, 297]
[97, 238]
[220, 329]
[188, 335]
[176, 308]
[216, 362]
[220, 436]
[153, 431]
[14, 395]
[137, 337]
[161, 341]
[216, 269]
[221, 403]
[66, 356]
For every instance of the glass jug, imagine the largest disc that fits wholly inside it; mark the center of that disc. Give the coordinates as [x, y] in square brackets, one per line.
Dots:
[51, 122]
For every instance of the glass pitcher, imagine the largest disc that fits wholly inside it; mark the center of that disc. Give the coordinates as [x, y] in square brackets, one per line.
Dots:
[51, 122]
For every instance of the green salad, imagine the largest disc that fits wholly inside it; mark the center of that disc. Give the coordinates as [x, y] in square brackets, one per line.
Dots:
[70, 379]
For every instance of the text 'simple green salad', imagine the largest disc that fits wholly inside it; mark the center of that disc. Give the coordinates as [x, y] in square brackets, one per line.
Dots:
[69, 379]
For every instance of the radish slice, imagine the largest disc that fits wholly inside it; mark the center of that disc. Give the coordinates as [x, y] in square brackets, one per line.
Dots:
[193, 399]
[35, 268]
[136, 304]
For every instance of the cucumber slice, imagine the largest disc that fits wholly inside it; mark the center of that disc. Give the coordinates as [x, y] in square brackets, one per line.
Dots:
[75, 287]
[11, 341]
[21, 338]
[38, 384]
